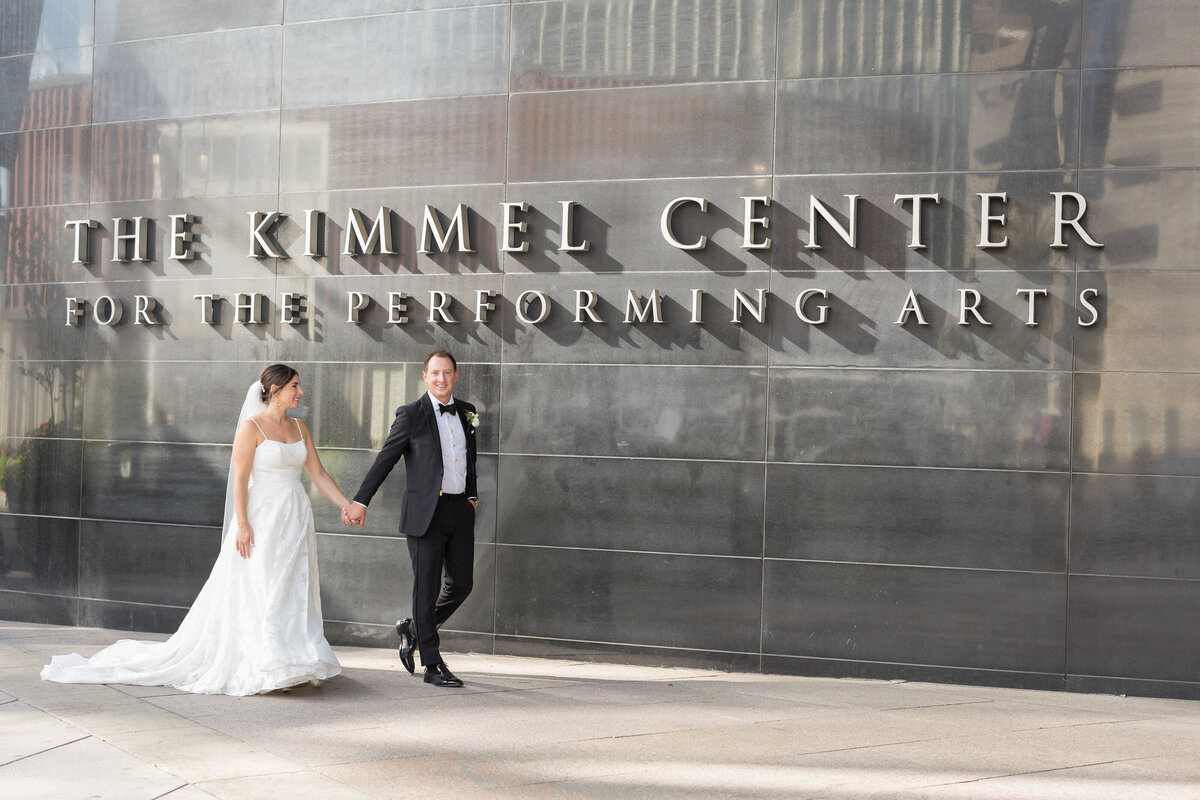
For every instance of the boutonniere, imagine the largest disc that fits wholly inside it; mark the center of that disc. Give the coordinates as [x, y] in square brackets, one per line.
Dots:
[472, 418]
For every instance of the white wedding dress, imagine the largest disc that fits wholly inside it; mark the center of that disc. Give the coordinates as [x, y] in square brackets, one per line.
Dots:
[256, 625]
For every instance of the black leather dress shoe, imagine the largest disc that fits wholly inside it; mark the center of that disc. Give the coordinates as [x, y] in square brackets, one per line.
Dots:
[438, 675]
[407, 644]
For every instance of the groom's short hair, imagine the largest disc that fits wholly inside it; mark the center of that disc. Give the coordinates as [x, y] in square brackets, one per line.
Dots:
[440, 354]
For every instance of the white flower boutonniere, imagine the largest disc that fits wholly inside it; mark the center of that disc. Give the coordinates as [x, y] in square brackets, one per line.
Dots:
[472, 418]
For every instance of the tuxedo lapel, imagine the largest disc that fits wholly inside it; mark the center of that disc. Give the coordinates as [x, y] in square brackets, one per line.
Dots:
[431, 420]
[468, 431]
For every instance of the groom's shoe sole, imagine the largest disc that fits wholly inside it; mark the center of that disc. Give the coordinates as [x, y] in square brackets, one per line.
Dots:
[407, 644]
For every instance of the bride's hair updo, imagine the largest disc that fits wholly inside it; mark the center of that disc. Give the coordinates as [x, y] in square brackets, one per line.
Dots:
[277, 375]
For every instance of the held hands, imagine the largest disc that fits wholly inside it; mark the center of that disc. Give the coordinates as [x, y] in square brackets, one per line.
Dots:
[354, 514]
[245, 541]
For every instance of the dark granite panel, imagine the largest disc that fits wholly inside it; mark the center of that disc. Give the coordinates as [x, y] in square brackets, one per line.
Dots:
[33, 317]
[621, 222]
[307, 10]
[368, 579]
[998, 420]
[692, 602]
[1137, 423]
[478, 613]
[950, 229]
[998, 121]
[397, 57]
[1140, 33]
[179, 77]
[222, 155]
[350, 405]
[36, 247]
[364, 578]
[1134, 628]
[27, 26]
[438, 142]
[685, 412]
[874, 670]
[596, 44]
[41, 474]
[54, 166]
[185, 484]
[466, 642]
[870, 37]
[40, 398]
[863, 312]
[160, 565]
[41, 609]
[332, 226]
[950, 518]
[1144, 218]
[175, 330]
[170, 483]
[938, 617]
[375, 339]
[348, 468]
[676, 340]
[1147, 323]
[599, 652]
[361, 634]
[345, 405]
[713, 508]
[46, 90]
[1135, 526]
[221, 230]
[130, 616]
[174, 401]
[665, 132]
[1140, 118]
[38, 554]
[123, 20]
[1089, 684]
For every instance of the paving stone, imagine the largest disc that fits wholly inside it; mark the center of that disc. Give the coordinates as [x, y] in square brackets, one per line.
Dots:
[529, 728]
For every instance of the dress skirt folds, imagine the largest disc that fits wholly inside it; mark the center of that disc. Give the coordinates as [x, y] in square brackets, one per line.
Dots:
[256, 625]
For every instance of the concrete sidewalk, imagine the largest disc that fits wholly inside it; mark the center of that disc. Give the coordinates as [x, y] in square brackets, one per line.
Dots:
[530, 728]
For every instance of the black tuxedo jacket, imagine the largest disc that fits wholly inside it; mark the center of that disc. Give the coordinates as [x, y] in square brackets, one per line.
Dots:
[415, 438]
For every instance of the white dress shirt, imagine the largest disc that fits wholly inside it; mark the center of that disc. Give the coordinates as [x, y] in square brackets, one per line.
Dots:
[454, 449]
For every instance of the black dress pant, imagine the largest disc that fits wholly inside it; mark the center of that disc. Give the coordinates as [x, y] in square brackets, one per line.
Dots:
[443, 562]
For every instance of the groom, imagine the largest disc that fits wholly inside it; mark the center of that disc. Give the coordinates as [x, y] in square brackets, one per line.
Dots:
[435, 435]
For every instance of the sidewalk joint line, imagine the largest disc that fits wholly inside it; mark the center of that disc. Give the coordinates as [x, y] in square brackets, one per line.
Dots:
[1040, 771]
[47, 750]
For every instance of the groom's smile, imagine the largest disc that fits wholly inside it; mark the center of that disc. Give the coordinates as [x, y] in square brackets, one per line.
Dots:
[440, 375]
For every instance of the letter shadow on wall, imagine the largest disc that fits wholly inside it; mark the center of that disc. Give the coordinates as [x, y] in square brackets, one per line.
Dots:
[845, 325]
[882, 241]
[690, 227]
[543, 255]
[224, 317]
[1008, 333]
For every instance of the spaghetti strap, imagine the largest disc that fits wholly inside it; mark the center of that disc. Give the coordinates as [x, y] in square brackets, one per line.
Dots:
[260, 430]
[298, 428]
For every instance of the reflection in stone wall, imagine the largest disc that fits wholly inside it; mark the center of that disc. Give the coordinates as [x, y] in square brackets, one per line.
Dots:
[903, 488]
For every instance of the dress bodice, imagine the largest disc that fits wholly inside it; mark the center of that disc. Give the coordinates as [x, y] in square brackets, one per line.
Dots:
[279, 462]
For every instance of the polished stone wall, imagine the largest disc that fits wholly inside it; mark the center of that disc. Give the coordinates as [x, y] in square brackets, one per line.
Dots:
[1000, 503]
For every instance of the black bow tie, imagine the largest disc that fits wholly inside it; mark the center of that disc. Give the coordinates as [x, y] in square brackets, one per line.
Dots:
[444, 409]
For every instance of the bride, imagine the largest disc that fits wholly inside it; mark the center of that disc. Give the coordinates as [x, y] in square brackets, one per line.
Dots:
[256, 625]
